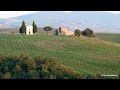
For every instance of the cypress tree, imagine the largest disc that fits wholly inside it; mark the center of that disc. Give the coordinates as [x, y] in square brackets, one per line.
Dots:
[34, 27]
[22, 28]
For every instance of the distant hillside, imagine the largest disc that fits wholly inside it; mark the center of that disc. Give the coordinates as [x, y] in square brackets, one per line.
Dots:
[115, 38]
[98, 21]
[9, 30]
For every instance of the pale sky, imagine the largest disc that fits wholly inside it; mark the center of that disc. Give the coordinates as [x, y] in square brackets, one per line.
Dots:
[8, 14]
[114, 12]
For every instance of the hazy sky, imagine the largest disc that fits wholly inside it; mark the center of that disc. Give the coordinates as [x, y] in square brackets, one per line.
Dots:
[114, 12]
[7, 14]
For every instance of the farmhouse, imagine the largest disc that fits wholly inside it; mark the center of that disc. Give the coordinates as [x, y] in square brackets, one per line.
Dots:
[65, 31]
[29, 30]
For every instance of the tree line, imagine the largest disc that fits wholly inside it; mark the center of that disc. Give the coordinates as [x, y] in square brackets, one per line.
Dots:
[77, 32]
[87, 32]
[24, 67]
[22, 29]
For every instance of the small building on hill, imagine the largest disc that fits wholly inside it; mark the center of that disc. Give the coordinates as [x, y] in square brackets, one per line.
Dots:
[29, 30]
[65, 31]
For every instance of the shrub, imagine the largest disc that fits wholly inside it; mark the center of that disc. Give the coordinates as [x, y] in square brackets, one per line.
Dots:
[23, 67]
[33, 74]
[7, 75]
[88, 32]
[77, 33]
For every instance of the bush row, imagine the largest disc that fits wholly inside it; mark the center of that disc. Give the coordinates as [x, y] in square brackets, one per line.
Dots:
[23, 67]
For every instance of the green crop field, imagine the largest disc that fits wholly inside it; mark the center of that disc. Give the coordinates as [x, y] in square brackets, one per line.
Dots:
[85, 55]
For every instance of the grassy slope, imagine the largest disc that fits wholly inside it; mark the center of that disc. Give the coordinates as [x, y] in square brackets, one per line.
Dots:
[86, 55]
[109, 37]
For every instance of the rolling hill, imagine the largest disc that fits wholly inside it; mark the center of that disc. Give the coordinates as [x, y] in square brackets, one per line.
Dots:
[86, 55]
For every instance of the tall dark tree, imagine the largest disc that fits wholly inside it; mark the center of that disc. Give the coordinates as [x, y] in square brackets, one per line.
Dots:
[47, 29]
[34, 27]
[23, 28]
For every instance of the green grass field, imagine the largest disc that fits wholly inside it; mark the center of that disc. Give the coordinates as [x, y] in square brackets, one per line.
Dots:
[109, 37]
[87, 56]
